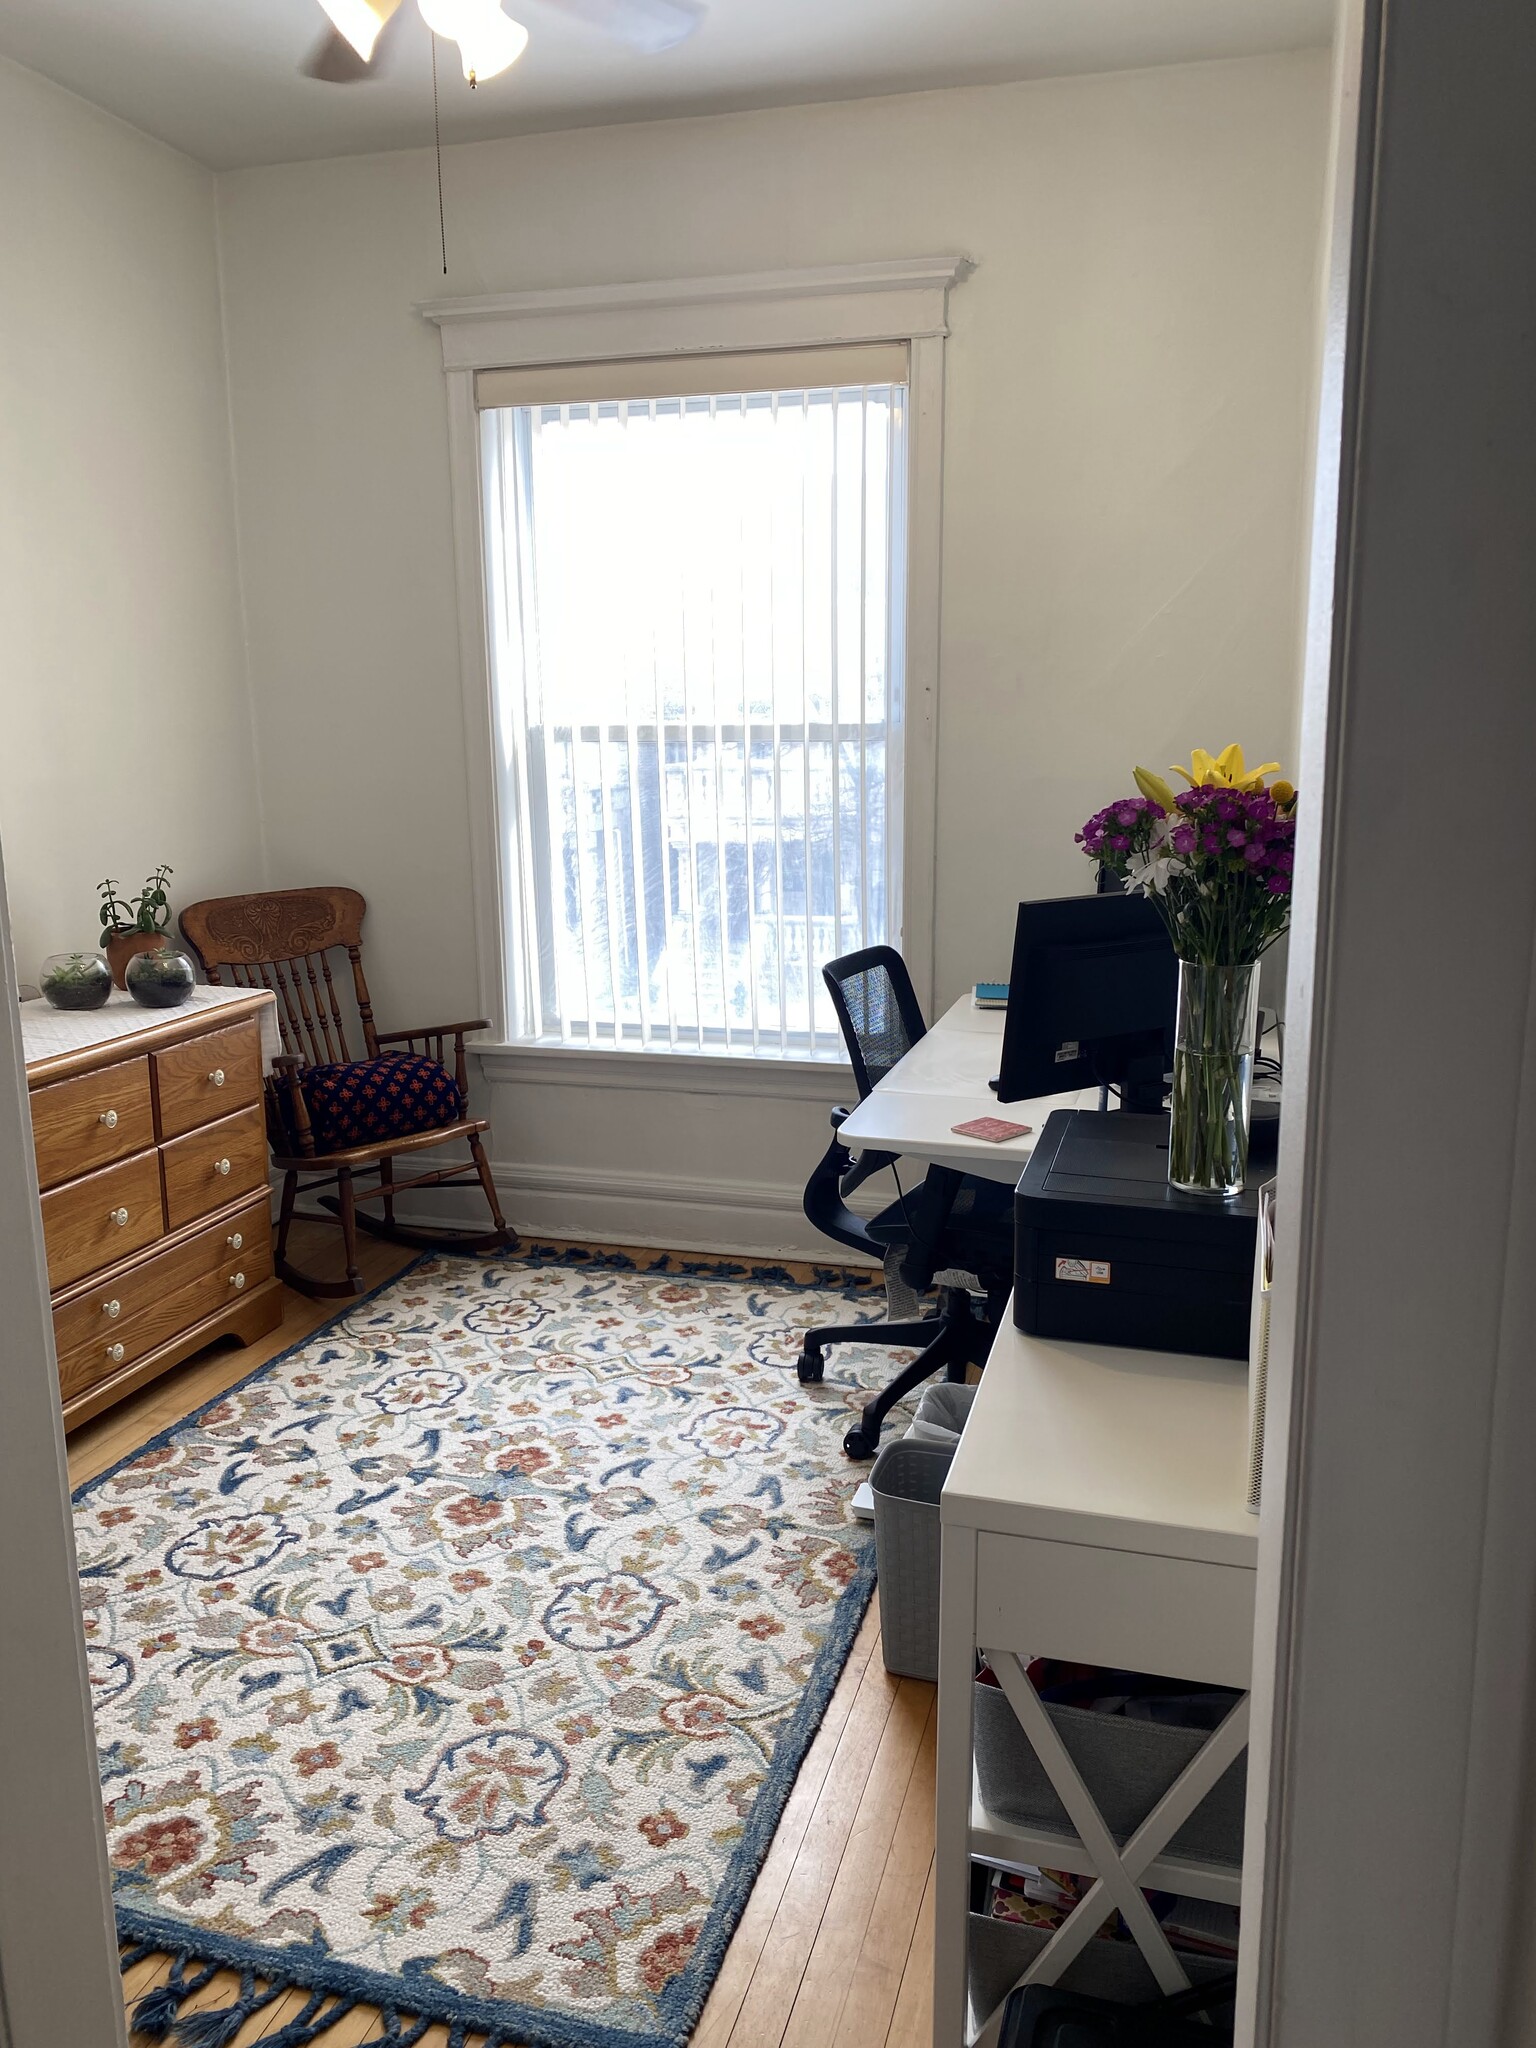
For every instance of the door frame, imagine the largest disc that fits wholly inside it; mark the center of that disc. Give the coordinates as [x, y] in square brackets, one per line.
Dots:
[59, 1979]
[1390, 1783]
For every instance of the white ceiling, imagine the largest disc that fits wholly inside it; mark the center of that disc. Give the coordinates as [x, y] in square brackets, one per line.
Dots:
[219, 79]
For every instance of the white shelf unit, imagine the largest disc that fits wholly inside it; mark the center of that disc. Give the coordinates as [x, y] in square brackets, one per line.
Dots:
[1094, 1513]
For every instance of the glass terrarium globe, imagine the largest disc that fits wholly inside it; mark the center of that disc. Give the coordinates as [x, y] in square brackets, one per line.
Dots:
[162, 978]
[75, 981]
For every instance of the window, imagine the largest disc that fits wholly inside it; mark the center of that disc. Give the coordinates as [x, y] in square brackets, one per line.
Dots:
[696, 591]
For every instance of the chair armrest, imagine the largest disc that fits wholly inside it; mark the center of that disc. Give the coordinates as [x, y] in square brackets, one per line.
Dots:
[430, 1042]
[435, 1031]
[284, 1087]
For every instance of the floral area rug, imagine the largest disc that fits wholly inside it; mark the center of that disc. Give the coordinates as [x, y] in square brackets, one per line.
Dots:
[461, 1660]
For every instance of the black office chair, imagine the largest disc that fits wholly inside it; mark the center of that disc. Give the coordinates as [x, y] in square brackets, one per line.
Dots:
[950, 1223]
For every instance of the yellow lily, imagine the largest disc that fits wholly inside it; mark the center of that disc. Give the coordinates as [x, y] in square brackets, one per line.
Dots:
[1226, 770]
[1155, 789]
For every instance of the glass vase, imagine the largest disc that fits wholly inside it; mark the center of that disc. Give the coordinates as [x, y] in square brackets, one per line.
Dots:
[1214, 1045]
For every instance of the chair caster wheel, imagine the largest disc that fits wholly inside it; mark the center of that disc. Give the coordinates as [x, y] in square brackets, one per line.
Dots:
[811, 1367]
[859, 1443]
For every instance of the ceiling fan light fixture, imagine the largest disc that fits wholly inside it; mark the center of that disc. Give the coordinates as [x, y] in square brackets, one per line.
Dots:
[489, 41]
[360, 21]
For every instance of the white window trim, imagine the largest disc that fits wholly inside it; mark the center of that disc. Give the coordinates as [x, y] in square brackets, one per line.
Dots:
[905, 300]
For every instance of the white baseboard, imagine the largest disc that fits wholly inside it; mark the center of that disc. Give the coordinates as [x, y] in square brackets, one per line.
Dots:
[595, 1205]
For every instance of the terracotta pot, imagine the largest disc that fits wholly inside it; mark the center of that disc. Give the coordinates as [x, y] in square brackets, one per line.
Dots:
[121, 946]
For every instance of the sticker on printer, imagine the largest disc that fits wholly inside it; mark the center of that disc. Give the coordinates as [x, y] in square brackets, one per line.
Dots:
[1091, 1272]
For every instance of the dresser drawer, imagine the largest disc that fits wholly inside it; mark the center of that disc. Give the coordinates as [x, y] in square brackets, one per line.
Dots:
[103, 1218]
[195, 1281]
[101, 1311]
[80, 1125]
[214, 1165]
[208, 1077]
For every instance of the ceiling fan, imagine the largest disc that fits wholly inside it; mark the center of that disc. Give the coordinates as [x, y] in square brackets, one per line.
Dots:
[488, 39]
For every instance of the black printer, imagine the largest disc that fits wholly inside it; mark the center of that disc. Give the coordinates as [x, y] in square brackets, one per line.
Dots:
[1106, 1252]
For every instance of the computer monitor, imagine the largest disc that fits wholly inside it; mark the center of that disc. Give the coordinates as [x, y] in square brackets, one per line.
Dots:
[1091, 1000]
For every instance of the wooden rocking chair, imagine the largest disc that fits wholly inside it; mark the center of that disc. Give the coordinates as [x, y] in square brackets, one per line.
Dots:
[281, 940]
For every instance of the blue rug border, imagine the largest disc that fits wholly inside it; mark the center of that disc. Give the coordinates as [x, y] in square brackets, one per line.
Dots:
[503, 2022]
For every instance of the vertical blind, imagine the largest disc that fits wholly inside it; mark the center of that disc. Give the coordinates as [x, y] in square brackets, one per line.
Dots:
[696, 602]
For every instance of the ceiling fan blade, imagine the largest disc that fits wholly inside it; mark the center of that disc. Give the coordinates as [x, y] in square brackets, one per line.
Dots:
[648, 25]
[336, 61]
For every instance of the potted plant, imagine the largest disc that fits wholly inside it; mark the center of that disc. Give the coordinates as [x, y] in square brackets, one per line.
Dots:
[134, 925]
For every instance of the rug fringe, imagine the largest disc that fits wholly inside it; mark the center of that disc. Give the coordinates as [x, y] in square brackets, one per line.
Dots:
[311, 2023]
[158, 2015]
[155, 2014]
[217, 2026]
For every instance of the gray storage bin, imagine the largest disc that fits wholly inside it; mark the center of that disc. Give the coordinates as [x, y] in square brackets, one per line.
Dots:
[1000, 1951]
[907, 1479]
[1127, 1765]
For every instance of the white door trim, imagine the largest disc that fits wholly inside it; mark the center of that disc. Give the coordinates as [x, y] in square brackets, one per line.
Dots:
[58, 1946]
[1388, 1881]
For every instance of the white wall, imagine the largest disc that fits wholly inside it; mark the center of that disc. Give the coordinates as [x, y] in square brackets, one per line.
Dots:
[122, 689]
[1128, 378]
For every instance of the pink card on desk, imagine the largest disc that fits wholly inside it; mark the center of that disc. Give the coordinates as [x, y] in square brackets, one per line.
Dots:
[995, 1129]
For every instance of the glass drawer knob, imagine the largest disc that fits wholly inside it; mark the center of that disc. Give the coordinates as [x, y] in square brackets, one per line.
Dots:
[237, 1281]
[109, 1118]
[236, 1243]
[119, 1217]
[112, 1310]
[221, 1166]
[217, 1077]
[115, 1353]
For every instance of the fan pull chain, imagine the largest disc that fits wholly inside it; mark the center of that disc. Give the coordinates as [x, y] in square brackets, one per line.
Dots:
[437, 138]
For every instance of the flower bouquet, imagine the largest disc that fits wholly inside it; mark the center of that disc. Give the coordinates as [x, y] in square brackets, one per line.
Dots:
[1215, 860]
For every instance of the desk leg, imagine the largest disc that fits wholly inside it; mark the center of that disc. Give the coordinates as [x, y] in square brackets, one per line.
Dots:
[952, 1791]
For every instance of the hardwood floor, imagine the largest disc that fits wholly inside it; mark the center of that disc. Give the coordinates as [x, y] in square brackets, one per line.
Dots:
[835, 1947]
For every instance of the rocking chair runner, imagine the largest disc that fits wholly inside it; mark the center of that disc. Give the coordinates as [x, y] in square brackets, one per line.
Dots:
[281, 940]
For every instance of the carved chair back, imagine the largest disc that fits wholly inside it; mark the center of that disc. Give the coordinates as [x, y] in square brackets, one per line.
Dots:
[282, 940]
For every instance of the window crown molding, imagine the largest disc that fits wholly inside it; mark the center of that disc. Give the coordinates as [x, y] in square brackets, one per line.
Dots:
[897, 300]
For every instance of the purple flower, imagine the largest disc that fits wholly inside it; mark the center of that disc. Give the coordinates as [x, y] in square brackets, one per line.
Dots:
[1279, 885]
[1184, 838]
[1236, 836]
[1126, 814]
[1120, 842]
[1253, 854]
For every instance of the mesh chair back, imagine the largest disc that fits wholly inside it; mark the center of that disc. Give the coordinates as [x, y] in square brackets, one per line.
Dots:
[877, 1008]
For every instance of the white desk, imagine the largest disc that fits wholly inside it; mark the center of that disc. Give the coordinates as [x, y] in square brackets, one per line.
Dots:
[1094, 1512]
[941, 1082]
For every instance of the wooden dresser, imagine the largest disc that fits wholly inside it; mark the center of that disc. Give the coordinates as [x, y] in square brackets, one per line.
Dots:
[151, 1155]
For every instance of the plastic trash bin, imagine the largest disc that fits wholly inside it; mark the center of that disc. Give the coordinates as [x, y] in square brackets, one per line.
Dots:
[907, 1479]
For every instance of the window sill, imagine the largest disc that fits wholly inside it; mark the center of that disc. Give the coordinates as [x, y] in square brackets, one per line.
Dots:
[662, 1071]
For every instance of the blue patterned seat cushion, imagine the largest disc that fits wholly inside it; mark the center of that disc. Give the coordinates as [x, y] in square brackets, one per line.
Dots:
[367, 1102]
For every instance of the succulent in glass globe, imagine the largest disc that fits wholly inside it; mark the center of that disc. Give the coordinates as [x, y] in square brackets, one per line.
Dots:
[75, 981]
[160, 979]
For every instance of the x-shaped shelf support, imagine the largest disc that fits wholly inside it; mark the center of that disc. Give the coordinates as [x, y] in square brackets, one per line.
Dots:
[1116, 1886]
